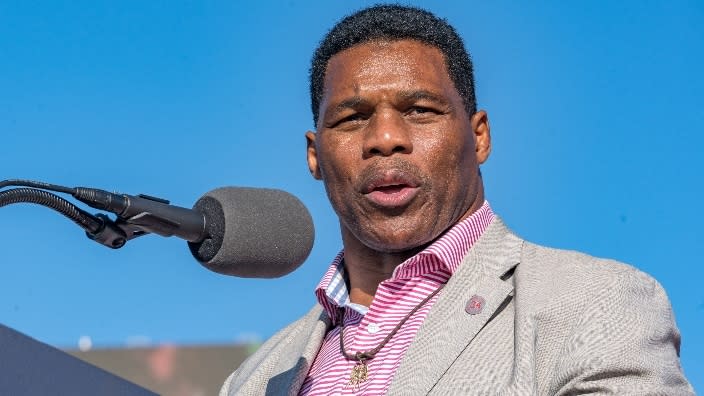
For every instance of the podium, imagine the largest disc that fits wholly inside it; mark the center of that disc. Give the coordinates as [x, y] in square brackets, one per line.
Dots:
[31, 368]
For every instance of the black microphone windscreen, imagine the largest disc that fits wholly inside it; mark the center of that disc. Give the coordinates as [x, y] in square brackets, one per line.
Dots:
[253, 232]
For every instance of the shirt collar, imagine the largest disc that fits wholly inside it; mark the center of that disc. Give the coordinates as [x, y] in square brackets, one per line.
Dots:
[450, 248]
[444, 254]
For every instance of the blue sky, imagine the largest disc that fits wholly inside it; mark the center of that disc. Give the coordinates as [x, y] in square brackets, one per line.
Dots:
[596, 111]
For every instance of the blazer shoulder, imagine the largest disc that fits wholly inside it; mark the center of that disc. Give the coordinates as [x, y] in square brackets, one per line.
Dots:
[604, 324]
[559, 282]
[254, 373]
[558, 266]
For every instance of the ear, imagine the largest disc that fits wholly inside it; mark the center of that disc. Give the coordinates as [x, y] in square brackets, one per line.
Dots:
[482, 135]
[312, 154]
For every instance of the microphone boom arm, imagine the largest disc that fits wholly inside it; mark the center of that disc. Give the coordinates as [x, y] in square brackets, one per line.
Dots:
[100, 228]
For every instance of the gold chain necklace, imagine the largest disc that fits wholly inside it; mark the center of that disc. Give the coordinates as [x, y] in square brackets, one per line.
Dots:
[359, 372]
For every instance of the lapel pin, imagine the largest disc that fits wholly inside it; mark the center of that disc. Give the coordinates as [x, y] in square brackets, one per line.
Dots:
[475, 305]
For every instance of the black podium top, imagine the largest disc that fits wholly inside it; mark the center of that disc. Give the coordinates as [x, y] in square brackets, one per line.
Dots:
[29, 367]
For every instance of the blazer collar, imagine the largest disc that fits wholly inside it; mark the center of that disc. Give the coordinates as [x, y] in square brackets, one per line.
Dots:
[448, 328]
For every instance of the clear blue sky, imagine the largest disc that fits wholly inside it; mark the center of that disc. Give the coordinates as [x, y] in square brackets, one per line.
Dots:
[596, 111]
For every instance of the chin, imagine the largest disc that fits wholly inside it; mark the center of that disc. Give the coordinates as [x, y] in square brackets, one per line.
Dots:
[391, 235]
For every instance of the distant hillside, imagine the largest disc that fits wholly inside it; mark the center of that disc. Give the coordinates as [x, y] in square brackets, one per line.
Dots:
[171, 370]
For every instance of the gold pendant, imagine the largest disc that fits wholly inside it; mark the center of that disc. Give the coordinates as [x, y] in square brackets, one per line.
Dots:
[358, 374]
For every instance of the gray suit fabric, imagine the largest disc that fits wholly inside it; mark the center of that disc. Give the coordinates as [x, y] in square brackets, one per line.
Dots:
[554, 323]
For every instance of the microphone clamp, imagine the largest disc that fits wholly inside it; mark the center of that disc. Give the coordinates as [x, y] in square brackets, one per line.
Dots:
[139, 215]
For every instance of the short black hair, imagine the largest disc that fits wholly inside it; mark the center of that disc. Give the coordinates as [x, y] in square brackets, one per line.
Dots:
[393, 23]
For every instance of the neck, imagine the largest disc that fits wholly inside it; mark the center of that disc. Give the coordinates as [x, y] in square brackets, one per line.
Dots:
[367, 267]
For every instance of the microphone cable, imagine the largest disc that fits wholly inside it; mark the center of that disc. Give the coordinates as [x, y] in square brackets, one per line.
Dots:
[33, 192]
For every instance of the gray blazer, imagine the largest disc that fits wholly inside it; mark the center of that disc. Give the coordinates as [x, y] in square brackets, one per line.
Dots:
[554, 323]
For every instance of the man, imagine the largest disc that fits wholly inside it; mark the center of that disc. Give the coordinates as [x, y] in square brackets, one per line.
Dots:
[432, 294]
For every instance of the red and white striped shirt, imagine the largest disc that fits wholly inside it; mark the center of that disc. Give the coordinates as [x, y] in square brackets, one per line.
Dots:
[365, 328]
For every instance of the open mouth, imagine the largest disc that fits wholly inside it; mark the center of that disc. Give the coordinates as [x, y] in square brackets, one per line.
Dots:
[391, 190]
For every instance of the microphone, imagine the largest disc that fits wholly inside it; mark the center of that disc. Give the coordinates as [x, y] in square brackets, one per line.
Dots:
[238, 231]
[253, 232]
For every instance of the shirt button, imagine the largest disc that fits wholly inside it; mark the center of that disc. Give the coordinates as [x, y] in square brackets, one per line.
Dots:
[373, 328]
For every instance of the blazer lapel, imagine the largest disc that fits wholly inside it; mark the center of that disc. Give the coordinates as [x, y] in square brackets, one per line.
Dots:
[449, 328]
[295, 361]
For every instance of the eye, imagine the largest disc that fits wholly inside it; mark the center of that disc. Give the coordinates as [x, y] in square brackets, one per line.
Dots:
[350, 120]
[353, 117]
[422, 112]
[419, 110]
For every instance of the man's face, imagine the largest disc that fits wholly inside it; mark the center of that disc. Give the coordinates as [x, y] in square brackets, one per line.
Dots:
[397, 152]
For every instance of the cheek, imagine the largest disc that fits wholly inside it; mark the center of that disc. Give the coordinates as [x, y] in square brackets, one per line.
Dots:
[336, 158]
[336, 172]
[447, 157]
[451, 165]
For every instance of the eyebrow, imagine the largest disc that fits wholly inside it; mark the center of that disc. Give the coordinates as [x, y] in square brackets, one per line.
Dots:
[350, 103]
[422, 94]
[404, 96]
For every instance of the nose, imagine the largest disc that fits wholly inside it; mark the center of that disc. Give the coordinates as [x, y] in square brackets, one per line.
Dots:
[386, 134]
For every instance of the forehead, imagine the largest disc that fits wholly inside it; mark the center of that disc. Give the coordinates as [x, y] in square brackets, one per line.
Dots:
[403, 64]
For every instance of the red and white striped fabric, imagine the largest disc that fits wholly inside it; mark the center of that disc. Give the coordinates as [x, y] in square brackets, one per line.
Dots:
[365, 328]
